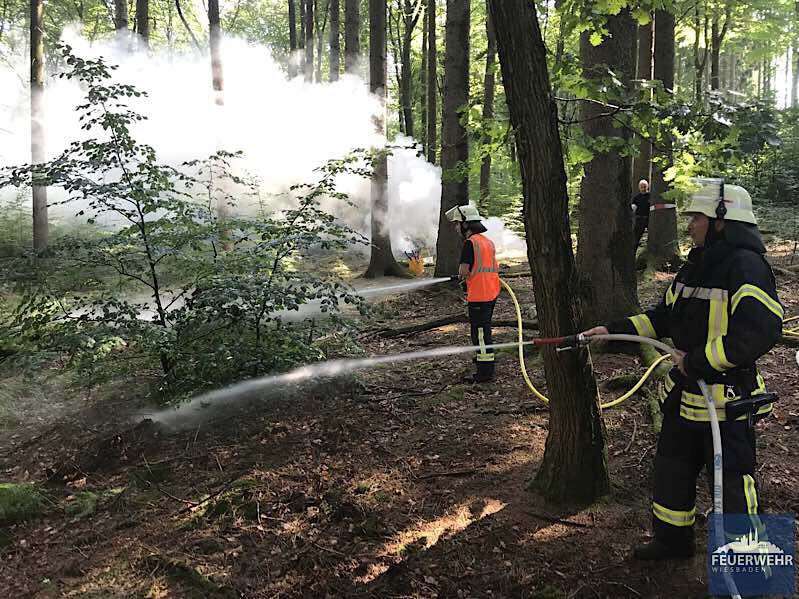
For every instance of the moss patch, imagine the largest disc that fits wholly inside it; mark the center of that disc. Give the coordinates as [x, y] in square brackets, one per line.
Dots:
[19, 502]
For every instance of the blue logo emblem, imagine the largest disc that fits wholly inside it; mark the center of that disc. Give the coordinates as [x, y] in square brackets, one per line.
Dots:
[751, 555]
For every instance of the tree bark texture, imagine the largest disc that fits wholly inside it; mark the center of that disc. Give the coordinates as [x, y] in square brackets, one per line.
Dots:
[718, 32]
[320, 39]
[642, 164]
[489, 86]
[382, 261]
[292, 38]
[121, 16]
[40, 222]
[574, 468]
[215, 40]
[422, 96]
[352, 32]
[454, 140]
[143, 21]
[301, 38]
[335, 40]
[662, 240]
[410, 18]
[309, 46]
[432, 84]
[605, 257]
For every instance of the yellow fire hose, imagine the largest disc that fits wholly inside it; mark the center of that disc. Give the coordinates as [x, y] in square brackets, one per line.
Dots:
[540, 395]
[794, 332]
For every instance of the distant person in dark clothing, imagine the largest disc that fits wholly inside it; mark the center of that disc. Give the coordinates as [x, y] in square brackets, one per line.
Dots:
[640, 204]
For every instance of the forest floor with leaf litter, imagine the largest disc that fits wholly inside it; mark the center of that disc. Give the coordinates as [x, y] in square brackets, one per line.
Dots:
[397, 482]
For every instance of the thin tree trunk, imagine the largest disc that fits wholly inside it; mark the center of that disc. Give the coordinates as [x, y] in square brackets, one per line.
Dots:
[40, 222]
[488, 108]
[309, 22]
[292, 38]
[454, 140]
[335, 39]
[795, 76]
[143, 21]
[432, 84]
[423, 83]
[605, 257]
[320, 40]
[410, 18]
[574, 468]
[642, 164]
[662, 241]
[301, 39]
[215, 41]
[352, 32]
[382, 261]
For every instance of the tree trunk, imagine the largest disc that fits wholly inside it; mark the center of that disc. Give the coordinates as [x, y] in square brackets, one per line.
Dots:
[352, 32]
[662, 243]
[605, 257]
[143, 21]
[488, 108]
[454, 140]
[320, 40]
[309, 21]
[642, 164]
[121, 19]
[301, 39]
[215, 41]
[382, 261]
[335, 40]
[574, 468]
[422, 97]
[795, 75]
[432, 83]
[409, 21]
[292, 38]
[40, 222]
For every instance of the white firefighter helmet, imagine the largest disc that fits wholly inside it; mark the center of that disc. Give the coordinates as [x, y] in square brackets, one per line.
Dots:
[737, 202]
[463, 214]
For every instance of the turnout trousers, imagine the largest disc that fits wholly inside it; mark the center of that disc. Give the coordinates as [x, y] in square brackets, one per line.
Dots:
[480, 315]
[684, 447]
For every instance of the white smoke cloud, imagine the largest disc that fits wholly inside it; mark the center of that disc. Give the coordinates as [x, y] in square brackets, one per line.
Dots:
[285, 129]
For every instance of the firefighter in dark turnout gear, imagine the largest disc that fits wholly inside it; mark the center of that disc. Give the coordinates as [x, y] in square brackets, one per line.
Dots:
[722, 312]
[480, 272]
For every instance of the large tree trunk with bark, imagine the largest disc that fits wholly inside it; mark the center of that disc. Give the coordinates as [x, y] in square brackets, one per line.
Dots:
[605, 257]
[143, 22]
[335, 40]
[40, 222]
[432, 83]
[121, 22]
[454, 140]
[292, 38]
[382, 261]
[309, 47]
[642, 163]
[574, 468]
[489, 86]
[352, 32]
[662, 242]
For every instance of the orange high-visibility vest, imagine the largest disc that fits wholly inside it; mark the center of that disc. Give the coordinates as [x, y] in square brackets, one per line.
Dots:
[482, 284]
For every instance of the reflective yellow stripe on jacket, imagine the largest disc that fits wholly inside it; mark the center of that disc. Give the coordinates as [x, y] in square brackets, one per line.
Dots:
[693, 406]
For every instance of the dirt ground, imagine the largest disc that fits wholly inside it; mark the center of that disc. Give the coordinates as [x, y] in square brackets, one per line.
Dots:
[397, 482]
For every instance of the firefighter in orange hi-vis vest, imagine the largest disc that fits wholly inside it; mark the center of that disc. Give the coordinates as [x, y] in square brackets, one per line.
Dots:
[480, 271]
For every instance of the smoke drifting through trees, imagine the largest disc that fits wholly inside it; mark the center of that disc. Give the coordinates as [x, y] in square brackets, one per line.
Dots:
[274, 121]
